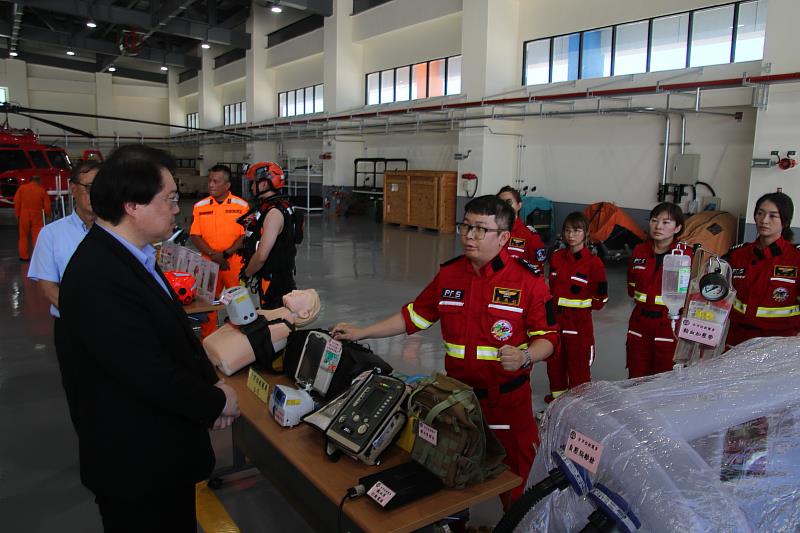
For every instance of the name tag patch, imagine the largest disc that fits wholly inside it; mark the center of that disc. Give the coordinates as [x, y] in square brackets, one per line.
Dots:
[639, 260]
[737, 272]
[781, 271]
[506, 296]
[516, 242]
[452, 294]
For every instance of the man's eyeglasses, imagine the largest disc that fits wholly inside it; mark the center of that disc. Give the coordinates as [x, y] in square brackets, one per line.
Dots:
[87, 186]
[173, 198]
[478, 232]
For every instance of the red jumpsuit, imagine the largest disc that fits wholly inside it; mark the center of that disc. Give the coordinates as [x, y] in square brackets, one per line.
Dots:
[506, 304]
[29, 202]
[767, 294]
[526, 243]
[651, 339]
[578, 285]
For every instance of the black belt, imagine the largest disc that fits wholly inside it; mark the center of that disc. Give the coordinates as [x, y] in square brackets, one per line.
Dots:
[506, 387]
[651, 314]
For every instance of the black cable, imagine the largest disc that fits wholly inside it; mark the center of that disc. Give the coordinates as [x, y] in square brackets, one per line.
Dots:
[352, 493]
[599, 522]
[511, 519]
[710, 188]
[341, 507]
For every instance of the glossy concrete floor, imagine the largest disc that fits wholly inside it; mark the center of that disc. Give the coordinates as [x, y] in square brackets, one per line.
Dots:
[363, 271]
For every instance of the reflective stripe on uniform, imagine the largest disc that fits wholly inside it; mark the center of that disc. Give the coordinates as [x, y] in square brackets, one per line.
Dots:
[581, 280]
[642, 297]
[777, 312]
[487, 353]
[454, 350]
[506, 308]
[540, 332]
[740, 306]
[417, 319]
[579, 304]
[451, 302]
[515, 249]
[569, 332]
[785, 280]
[591, 354]
[634, 333]
[663, 339]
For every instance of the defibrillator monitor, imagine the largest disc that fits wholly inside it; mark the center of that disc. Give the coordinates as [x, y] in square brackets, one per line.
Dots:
[319, 360]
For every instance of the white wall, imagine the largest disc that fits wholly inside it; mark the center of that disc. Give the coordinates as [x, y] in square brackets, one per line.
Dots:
[230, 72]
[421, 42]
[299, 74]
[393, 16]
[190, 103]
[300, 47]
[233, 92]
[424, 152]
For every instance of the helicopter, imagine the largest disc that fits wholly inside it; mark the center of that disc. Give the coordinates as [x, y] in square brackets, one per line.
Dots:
[23, 156]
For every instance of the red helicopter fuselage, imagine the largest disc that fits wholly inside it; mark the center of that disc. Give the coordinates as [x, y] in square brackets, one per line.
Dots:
[22, 157]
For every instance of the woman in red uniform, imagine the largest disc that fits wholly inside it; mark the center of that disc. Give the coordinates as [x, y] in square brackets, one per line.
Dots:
[578, 285]
[651, 340]
[525, 242]
[765, 275]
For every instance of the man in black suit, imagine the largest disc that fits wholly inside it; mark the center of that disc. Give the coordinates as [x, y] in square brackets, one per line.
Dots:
[141, 392]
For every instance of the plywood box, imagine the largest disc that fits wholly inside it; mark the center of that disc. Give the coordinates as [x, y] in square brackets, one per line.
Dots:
[422, 198]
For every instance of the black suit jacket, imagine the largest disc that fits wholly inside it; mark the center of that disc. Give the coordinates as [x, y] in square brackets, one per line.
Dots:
[138, 383]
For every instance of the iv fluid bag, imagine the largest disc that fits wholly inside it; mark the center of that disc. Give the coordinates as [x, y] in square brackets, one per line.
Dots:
[675, 277]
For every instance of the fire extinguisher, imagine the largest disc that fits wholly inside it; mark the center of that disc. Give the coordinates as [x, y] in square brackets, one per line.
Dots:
[469, 183]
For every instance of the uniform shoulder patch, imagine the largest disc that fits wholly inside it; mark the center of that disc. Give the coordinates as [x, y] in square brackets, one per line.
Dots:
[530, 267]
[204, 201]
[453, 260]
[237, 200]
[531, 229]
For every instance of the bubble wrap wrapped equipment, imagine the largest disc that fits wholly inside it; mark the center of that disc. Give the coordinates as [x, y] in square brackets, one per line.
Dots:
[712, 447]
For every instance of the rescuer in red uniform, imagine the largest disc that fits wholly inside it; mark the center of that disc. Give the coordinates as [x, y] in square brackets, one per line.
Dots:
[765, 275]
[525, 241]
[651, 340]
[578, 285]
[497, 321]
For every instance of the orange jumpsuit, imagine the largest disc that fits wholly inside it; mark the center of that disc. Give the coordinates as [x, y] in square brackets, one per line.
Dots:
[29, 202]
[216, 224]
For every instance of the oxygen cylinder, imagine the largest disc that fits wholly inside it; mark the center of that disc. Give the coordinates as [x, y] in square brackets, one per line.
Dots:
[675, 278]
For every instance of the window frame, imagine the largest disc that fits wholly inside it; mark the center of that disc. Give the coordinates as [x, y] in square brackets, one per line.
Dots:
[411, 77]
[307, 91]
[234, 113]
[649, 50]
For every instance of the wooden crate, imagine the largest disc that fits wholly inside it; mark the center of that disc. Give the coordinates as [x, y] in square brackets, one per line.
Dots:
[422, 198]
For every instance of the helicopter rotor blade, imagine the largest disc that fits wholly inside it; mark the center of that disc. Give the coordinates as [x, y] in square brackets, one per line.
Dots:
[57, 125]
[17, 109]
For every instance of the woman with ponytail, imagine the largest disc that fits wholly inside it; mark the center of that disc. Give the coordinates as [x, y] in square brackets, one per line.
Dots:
[765, 275]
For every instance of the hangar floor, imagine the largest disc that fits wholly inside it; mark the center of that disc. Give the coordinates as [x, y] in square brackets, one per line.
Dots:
[363, 271]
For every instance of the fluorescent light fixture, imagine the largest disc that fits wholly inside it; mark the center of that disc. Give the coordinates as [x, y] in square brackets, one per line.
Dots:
[70, 53]
[13, 53]
[276, 9]
[205, 46]
[112, 68]
[91, 24]
[164, 67]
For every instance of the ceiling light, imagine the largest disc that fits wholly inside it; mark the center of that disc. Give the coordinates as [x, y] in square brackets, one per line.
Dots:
[164, 67]
[91, 24]
[70, 53]
[112, 68]
[13, 53]
[276, 9]
[205, 46]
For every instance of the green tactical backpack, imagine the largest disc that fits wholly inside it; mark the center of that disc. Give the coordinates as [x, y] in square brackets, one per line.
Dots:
[448, 413]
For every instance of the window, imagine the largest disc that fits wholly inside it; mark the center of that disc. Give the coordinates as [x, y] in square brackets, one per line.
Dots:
[712, 33]
[402, 86]
[419, 81]
[537, 62]
[58, 159]
[301, 101]
[565, 57]
[192, 120]
[13, 160]
[596, 50]
[668, 49]
[437, 77]
[454, 75]
[3, 95]
[235, 114]
[723, 34]
[39, 161]
[387, 86]
[750, 31]
[630, 53]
